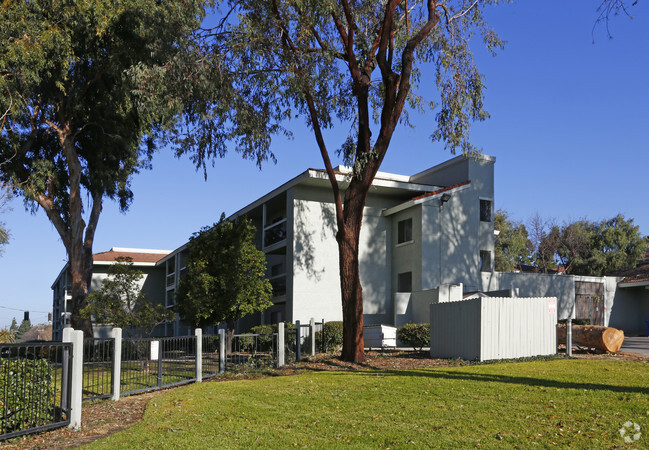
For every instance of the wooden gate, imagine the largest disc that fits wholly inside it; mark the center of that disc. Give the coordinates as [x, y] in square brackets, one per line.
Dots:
[589, 301]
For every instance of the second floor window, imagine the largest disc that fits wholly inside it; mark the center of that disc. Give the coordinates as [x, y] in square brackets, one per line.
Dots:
[485, 210]
[404, 231]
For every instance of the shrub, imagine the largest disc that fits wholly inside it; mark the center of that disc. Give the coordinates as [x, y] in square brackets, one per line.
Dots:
[27, 394]
[333, 332]
[415, 335]
[265, 332]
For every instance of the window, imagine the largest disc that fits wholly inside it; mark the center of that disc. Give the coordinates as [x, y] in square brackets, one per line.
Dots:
[485, 261]
[404, 282]
[485, 210]
[404, 231]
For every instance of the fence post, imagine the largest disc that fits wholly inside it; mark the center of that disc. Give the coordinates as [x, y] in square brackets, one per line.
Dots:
[159, 363]
[312, 335]
[199, 354]
[76, 384]
[221, 350]
[298, 341]
[569, 337]
[323, 338]
[117, 363]
[280, 345]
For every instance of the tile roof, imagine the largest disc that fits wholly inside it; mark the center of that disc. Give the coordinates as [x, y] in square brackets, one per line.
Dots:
[635, 275]
[142, 257]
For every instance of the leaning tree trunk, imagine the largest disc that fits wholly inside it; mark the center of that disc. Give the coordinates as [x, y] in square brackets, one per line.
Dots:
[606, 339]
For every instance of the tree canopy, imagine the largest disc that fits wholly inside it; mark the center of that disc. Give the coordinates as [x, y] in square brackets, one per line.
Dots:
[120, 302]
[599, 248]
[580, 247]
[357, 64]
[87, 90]
[225, 275]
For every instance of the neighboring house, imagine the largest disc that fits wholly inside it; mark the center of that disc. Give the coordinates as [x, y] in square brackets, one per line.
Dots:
[145, 260]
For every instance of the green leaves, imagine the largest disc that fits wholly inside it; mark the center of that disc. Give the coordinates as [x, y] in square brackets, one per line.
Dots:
[512, 246]
[226, 275]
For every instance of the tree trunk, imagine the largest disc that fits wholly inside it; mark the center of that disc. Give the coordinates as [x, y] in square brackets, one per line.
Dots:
[350, 283]
[606, 339]
[81, 275]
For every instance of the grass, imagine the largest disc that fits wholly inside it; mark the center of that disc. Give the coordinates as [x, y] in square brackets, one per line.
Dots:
[576, 403]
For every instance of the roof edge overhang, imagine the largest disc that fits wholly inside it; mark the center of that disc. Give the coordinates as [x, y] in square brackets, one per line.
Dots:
[425, 198]
[632, 284]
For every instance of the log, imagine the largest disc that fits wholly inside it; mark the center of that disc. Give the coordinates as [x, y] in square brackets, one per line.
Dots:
[606, 339]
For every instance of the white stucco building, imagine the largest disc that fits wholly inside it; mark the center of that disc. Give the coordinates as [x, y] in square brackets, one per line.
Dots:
[425, 238]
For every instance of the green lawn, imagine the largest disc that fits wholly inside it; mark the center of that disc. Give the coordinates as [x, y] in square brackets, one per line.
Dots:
[575, 403]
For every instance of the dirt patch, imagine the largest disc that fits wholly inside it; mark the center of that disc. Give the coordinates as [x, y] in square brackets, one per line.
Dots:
[102, 418]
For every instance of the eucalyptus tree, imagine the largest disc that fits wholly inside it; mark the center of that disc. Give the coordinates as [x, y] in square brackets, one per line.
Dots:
[87, 90]
[359, 63]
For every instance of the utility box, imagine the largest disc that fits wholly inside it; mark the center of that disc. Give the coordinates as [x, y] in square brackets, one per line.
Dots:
[489, 328]
[380, 336]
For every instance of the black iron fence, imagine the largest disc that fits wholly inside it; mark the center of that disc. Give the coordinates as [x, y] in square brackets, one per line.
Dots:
[34, 387]
[98, 363]
[210, 356]
[250, 351]
[40, 385]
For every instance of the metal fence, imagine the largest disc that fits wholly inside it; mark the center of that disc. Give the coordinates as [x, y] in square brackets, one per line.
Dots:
[34, 387]
[210, 356]
[42, 385]
[251, 351]
[98, 362]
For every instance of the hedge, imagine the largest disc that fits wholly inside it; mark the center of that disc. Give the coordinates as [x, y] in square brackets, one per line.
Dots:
[27, 394]
[333, 332]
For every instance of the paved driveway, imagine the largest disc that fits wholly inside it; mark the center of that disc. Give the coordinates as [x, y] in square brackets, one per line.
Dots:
[636, 345]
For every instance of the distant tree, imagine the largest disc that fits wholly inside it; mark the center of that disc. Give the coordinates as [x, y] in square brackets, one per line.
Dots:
[544, 243]
[512, 247]
[615, 245]
[25, 326]
[87, 90]
[226, 275]
[14, 325]
[121, 302]
[574, 244]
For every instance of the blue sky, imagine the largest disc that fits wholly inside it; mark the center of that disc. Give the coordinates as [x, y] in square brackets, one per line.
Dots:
[569, 128]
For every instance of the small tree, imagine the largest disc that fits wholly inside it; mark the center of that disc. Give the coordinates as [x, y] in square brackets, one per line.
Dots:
[513, 246]
[225, 275]
[121, 302]
[24, 327]
[14, 325]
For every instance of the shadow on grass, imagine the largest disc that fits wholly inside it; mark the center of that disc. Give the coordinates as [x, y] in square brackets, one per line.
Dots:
[437, 372]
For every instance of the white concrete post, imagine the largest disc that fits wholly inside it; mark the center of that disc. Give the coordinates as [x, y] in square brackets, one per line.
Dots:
[221, 350]
[199, 354]
[76, 384]
[312, 335]
[281, 359]
[117, 363]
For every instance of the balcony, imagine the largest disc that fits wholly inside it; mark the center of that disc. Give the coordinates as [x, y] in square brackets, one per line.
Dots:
[275, 233]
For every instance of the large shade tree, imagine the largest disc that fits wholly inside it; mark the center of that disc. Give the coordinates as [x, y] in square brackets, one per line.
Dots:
[357, 63]
[87, 90]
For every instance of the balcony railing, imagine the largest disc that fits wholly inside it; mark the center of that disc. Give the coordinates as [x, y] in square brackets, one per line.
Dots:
[275, 233]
